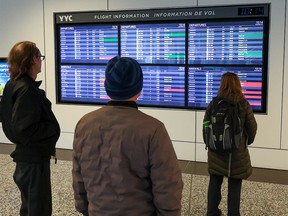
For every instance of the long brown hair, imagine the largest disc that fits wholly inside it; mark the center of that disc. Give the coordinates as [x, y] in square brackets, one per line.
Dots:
[230, 87]
[21, 57]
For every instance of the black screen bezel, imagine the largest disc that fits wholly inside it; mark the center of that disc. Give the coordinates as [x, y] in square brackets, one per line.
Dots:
[245, 18]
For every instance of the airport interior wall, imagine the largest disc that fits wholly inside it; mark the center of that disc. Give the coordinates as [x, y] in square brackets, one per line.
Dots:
[33, 20]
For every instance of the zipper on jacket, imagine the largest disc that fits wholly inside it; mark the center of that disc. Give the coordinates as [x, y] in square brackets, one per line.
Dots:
[229, 164]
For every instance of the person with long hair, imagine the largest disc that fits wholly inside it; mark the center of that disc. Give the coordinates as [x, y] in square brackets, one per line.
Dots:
[236, 165]
[28, 122]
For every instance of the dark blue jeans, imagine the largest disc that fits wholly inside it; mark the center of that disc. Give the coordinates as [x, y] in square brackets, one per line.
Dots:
[214, 195]
[33, 181]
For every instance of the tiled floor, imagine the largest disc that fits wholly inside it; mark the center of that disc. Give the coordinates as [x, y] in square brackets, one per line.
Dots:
[258, 198]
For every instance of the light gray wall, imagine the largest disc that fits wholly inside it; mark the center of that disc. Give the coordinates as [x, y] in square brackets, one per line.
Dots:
[33, 20]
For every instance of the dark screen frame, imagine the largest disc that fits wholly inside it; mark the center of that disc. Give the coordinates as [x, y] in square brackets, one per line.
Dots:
[243, 18]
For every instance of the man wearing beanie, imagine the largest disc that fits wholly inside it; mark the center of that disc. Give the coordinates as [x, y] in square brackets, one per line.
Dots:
[123, 160]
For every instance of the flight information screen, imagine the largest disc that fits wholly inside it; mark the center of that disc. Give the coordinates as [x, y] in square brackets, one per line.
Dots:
[204, 82]
[183, 53]
[88, 44]
[238, 42]
[154, 43]
[83, 83]
[163, 86]
[4, 75]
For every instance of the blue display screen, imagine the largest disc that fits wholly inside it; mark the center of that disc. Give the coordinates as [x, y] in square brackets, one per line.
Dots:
[154, 43]
[83, 83]
[226, 42]
[4, 75]
[163, 86]
[204, 82]
[182, 61]
[88, 44]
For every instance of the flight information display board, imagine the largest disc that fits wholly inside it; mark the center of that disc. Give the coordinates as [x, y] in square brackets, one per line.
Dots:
[163, 86]
[154, 43]
[182, 51]
[203, 84]
[4, 75]
[88, 44]
[83, 83]
[226, 42]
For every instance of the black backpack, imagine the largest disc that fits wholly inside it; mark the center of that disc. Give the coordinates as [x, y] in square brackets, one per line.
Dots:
[223, 131]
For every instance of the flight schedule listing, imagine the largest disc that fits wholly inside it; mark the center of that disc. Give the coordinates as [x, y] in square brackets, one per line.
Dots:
[163, 86]
[88, 44]
[204, 82]
[226, 42]
[4, 75]
[83, 83]
[154, 43]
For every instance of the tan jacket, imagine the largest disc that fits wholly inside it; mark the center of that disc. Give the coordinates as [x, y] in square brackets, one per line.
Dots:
[124, 164]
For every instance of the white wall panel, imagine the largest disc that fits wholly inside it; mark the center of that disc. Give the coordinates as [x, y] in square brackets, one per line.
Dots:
[269, 125]
[199, 124]
[180, 124]
[3, 138]
[51, 6]
[140, 4]
[185, 150]
[65, 141]
[269, 158]
[201, 152]
[69, 115]
[20, 21]
[19, 24]
[284, 137]
[260, 157]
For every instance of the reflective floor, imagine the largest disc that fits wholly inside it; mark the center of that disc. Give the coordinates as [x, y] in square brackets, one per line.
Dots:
[259, 198]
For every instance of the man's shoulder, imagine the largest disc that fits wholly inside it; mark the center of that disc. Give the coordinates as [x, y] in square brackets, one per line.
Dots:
[149, 120]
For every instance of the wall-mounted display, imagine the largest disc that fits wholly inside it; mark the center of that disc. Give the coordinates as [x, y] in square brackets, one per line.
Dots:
[183, 53]
[4, 75]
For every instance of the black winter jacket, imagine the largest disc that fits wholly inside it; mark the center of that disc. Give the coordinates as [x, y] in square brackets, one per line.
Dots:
[28, 121]
[236, 164]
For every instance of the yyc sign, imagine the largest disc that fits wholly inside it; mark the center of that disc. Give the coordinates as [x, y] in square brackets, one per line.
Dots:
[65, 18]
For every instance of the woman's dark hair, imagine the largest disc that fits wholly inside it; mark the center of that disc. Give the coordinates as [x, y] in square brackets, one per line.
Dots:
[230, 87]
[21, 57]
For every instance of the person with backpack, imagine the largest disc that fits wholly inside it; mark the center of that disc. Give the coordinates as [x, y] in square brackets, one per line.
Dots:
[232, 163]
